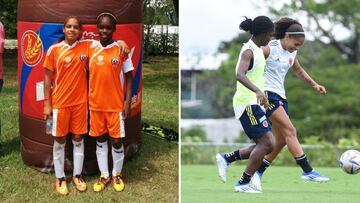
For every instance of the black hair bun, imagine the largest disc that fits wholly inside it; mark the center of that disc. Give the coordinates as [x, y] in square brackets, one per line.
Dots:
[246, 24]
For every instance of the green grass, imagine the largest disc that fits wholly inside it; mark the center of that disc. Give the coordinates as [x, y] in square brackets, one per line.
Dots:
[200, 183]
[161, 96]
[150, 176]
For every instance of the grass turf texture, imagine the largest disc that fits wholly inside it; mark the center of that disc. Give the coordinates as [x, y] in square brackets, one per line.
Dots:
[150, 176]
[200, 183]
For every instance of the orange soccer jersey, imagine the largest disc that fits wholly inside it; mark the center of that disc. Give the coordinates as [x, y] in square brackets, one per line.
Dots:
[106, 82]
[68, 64]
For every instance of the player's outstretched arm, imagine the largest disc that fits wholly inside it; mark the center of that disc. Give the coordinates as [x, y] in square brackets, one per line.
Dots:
[303, 75]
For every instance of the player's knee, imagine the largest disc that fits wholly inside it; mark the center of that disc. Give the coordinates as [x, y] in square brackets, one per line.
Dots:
[102, 138]
[269, 147]
[77, 138]
[290, 132]
[60, 140]
[280, 143]
[116, 143]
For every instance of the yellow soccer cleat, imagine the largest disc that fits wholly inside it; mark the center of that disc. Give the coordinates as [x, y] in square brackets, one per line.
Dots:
[61, 187]
[118, 183]
[101, 183]
[79, 183]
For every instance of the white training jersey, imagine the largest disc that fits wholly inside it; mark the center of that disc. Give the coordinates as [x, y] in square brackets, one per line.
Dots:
[278, 63]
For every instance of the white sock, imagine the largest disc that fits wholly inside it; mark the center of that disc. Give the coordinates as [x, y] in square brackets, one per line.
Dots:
[78, 156]
[102, 157]
[58, 158]
[118, 159]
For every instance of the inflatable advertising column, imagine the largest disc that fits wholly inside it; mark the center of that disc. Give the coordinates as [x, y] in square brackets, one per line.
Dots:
[40, 25]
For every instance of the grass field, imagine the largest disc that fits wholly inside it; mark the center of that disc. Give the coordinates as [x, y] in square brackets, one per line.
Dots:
[200, 183]
[150, 176]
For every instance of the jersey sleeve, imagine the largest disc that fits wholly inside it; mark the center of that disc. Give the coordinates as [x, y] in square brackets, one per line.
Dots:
[128, 65]
[49, 62]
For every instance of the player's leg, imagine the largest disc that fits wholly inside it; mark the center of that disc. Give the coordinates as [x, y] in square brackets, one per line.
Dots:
[98, 130]
[223, 160]
[78, 126]
[288, 131]
[279, 144]
[257, 128]
[59, 131]
[264, 146]
[116, 128]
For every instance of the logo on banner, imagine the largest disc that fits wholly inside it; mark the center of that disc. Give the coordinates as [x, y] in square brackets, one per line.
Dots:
[31, 48]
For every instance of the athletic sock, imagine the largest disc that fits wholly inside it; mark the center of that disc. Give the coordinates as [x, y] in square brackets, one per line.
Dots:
[102, 157]
[78, 154]
[232, 156]
[304, 163]
[264, 165]
[245, 179]
[118, 160]
[58, 158]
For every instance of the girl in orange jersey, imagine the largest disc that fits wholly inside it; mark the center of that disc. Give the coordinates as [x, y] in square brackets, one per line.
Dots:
[108, 108]
[65, 92]
[66, 96]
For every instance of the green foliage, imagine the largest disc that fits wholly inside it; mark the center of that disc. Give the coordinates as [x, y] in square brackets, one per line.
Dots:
[8, 17]
[161, 44]
[194, 134]
[160, 12]
[332, 116]
[314, 54]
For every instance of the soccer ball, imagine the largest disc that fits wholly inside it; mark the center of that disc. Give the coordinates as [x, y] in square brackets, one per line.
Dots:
[350, 161]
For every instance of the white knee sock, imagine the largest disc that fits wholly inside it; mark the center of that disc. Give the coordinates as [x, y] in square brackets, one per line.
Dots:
[102, 157]
[118, 159]
[78, 156]
[58, 158]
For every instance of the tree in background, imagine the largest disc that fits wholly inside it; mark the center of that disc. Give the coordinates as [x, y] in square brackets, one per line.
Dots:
[328, 17]
[159, 12]
[8, 17]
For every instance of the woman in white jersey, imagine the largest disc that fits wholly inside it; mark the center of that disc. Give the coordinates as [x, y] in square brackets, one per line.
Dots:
[248, 101]
[280, 56]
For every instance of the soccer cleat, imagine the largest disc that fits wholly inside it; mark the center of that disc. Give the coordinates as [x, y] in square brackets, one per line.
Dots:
[222, 165]
[61, 187]
[79, 183]
[314, 176]
[247, 188]
[118, 183]
[256, 180]
[101, 183]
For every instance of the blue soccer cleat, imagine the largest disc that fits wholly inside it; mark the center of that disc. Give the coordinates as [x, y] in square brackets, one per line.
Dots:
[247, 188]
[314, 176]
[222, 165]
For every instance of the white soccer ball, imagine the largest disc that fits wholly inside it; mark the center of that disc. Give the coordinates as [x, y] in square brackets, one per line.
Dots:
[350, 161]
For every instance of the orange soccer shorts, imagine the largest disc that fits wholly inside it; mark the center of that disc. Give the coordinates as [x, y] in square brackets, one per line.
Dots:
[107, 122]
[70, 119]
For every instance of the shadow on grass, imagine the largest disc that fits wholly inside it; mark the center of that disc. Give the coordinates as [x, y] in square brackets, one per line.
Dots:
[154, 154]
[10, 147]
